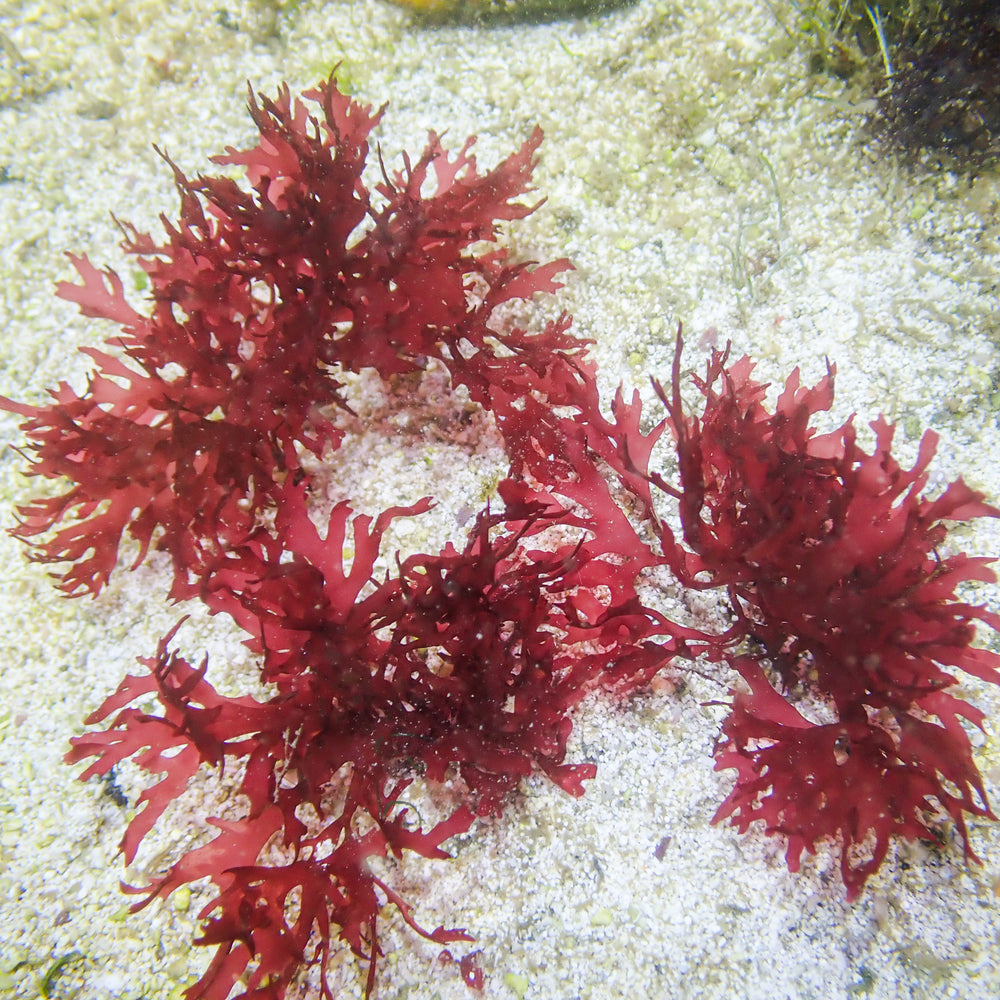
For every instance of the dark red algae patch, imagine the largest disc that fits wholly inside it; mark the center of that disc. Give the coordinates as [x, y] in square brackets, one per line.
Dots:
[196, 434]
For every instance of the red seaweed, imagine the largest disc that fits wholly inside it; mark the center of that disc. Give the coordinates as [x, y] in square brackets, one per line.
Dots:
[830, 558]
[459, 669]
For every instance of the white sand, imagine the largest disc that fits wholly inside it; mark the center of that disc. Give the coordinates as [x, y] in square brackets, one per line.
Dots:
[694, 171]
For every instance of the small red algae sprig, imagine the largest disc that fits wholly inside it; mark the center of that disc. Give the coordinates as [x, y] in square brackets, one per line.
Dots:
[830, 558]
